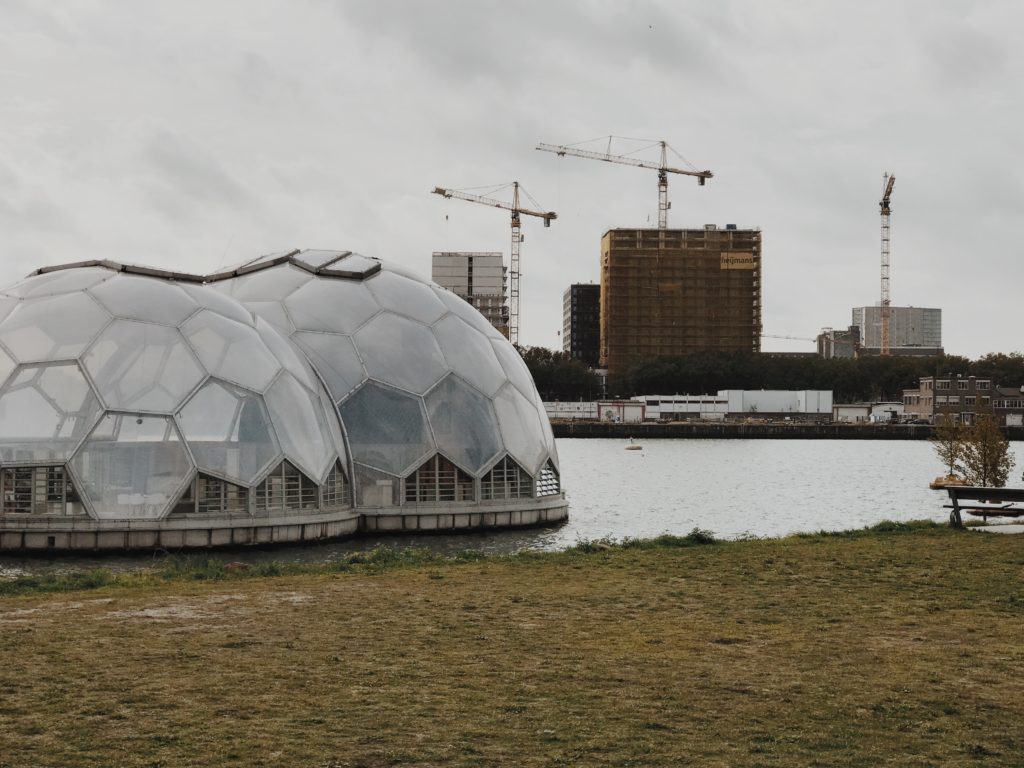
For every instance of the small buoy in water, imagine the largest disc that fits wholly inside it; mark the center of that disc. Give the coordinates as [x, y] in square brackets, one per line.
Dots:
[634, 446]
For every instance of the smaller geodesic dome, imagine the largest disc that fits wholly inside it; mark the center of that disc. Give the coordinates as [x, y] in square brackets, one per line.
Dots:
[436, 403]
[132, 397]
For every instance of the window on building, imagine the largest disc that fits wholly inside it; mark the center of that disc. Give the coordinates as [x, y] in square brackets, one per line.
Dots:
[285, 488]
[336, 491]
[38, 491]
[943, 384]
[969, 399]
[962, 383]
[438, 479]
[548, 484]
[507, 480]
[982, 384]
[214, 496]
[985, 400]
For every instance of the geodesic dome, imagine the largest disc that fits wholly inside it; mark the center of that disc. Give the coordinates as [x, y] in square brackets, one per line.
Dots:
[157, 395]
[424, 385]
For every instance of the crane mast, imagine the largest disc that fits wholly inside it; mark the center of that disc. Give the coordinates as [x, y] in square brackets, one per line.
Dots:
[662, 167]
[517, 239]
[886, 310]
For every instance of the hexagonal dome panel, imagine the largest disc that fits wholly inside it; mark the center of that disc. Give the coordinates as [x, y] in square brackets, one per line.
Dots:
[463, 422]
[218, 302]
[272, 284]
[327, 304]
[467, 312]
[143, 298]
[142, 366]
[59, 281]
[45, 411]
[289, 357]
[231, 350]
[301, 426]
[407, 297]
[386, 429]
[52, 328]
[515, 368]
[470, 354]
[401, 352]
[228, 431]
[131, 467]
[336, 359]
[520, 428]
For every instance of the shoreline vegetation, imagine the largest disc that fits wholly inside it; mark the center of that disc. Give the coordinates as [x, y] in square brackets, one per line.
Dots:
[895, 644]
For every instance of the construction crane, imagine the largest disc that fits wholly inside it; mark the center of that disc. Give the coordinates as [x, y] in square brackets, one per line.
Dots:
[663, 168]
[794, 338]
[517, 239]
[888, 180]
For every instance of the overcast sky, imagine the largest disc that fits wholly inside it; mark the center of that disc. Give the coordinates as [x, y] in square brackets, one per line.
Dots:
[194, 134]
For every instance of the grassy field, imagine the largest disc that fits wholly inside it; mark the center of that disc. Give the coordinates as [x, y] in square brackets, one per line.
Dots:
[890, 647]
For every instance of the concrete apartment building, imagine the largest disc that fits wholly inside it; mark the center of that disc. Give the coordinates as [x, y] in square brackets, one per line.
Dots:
[677, 291]
[913, 331]
[839, 343]
[962, 397]
[479, 278]
[581, 322]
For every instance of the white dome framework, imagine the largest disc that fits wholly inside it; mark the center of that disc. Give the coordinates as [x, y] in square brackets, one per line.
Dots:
[295, 397]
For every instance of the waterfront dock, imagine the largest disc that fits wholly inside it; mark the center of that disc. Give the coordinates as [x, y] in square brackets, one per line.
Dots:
[748, 431]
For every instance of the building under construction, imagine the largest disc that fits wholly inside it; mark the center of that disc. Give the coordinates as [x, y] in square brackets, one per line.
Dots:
[677, 291]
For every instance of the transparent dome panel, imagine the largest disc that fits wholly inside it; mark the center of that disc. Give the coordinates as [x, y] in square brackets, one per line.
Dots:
[145, 298]
[271, 284]
[406, 296]
[220, 303]
[315, 259]
[336, 306]
[386, 429]
[520, 428]
[463, 423]
[355, 264]
[470, 354]
[335, 358]
[60, 281]
[53, 328]
[400, 352]
[45, 412]
[273, 312]
[141, 366]
[376, 489]
[301, 426]
[467, 312]
[514, 366]
[287, 354]
[228, 431]
[231, 350]
[131, 467]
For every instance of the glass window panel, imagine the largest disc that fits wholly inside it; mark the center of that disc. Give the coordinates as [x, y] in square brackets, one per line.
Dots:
[271, 284]
[273, 312]
[228, 431]
[44, 413]
[438, 480]
[507, 480]
[376, 489]
[231, 350]
[316, 259]
[218, 302]
[335, 358]
[145, 298]
[470, 354]
[287, 354]
[301, 426]
[356, 263]
[338, 306]
[60, 281]
[128, 470]
[466, 311]
[463, 422]
[520, 428]
[142, 366]
[386, 429]
[515, 368]
[406, 296]
[400, 352]
[53, 328]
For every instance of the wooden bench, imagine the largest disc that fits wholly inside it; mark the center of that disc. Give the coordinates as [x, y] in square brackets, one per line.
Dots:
[988, 502]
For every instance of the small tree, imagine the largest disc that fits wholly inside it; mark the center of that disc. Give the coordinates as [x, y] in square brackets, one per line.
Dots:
[948, 440]
[986, 457]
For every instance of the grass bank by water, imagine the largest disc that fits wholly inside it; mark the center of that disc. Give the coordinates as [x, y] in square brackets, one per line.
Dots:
[900, 645]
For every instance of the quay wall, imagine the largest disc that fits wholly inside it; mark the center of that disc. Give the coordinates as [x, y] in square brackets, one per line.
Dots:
[741, 431]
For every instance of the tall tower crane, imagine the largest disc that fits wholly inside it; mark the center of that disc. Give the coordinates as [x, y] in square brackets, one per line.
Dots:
[517, 239]
[889, 181]
[663, 169]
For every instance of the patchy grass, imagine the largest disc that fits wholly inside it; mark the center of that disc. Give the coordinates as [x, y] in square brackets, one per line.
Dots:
[896, 646]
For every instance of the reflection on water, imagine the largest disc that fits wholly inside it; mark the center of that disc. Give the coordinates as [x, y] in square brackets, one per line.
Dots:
[733, 488]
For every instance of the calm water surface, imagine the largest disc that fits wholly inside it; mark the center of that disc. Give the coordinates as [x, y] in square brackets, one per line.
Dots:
[733, 488]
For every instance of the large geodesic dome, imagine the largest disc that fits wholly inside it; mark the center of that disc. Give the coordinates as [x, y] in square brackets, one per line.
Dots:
[140, 407]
